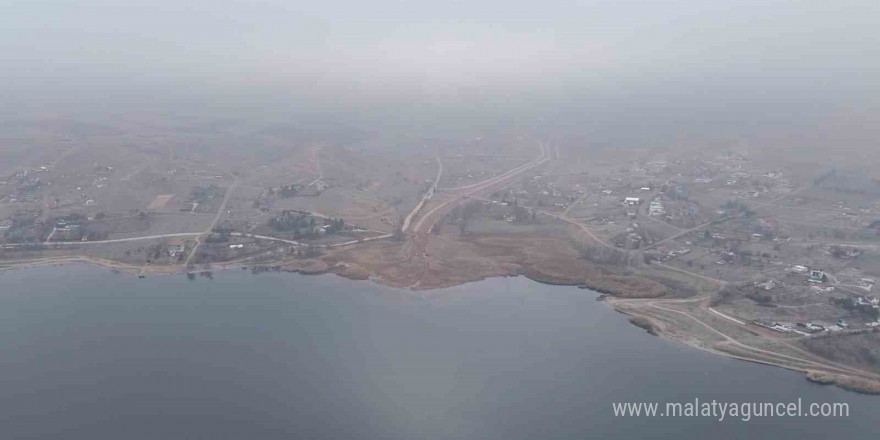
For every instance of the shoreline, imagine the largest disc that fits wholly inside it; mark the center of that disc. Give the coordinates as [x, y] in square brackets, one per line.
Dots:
[846, 382]
[648, 323]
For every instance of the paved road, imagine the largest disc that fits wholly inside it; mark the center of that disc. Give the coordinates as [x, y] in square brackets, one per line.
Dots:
[458, 195]
[115, 240]
[687, 231]
[222, 206]
[214, 222]
[428, 195]
[778, 359]
[318, 170]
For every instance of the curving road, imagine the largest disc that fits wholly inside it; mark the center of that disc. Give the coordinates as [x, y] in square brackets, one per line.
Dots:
[428, 195]
[459, 195]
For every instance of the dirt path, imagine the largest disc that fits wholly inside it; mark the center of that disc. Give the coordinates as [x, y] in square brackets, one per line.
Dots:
[214, 222]
[586, 229]
[721, 283]
[781, 360]
[806, 363]
[727, 317]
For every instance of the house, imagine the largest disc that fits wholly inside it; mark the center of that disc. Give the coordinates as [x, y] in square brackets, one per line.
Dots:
[785, 328]
[632, 201]
[767, 285]
[820, 289]
[815, 327]
[656, 208]
[176, 247]
[818, 276]
[5, 224]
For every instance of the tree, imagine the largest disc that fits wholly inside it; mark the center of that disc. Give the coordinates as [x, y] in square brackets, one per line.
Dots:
[288, 191]
[312, 251]
[399, 235]
[469, 211]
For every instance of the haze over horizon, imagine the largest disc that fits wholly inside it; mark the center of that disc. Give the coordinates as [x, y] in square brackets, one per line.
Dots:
[682, 57]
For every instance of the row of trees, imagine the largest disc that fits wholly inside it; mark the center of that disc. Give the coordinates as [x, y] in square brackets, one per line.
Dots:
[607, 255]
[464, 214]
[301, 224]
[290, 221]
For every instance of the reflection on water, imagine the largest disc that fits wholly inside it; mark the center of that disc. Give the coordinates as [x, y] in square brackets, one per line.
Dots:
[89, 354]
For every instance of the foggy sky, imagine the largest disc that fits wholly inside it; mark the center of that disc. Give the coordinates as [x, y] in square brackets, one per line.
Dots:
[384, 50]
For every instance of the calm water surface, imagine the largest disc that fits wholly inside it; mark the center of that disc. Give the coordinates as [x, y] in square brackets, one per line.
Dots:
[89, 354]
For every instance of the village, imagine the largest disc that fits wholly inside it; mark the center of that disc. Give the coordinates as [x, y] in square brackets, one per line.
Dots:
[726, 217]
[779, 246]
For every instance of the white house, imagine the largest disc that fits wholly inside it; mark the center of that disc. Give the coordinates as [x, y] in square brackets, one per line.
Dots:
[656, 208]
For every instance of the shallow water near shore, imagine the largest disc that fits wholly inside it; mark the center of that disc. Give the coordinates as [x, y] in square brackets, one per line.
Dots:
[86, 353]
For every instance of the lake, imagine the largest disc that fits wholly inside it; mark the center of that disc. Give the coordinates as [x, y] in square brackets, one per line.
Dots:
[86, 353]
